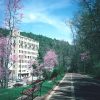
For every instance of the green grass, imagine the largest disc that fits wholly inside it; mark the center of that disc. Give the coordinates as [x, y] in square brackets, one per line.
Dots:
[13, 93]
[48, 85]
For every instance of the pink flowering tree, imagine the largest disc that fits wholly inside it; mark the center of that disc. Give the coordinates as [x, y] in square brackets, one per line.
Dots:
[33, 64]
[12, 18]
[50, 62]
[4, 56]
[1, 73]
[84, 57]
[50, 59]
[13, 59]
[36, 69]
[13, 14]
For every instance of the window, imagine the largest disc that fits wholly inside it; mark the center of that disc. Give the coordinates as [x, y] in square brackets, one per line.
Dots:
[14, 42]
[33, 47]
[25, 45]
[23, 70]
[13, 66]
[21, 44]
[23, 66]
[19, 61]
[14, 51]
[36, 47]
[19, 66]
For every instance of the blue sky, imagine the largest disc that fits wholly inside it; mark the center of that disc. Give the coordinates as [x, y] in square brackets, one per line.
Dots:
[47, 17]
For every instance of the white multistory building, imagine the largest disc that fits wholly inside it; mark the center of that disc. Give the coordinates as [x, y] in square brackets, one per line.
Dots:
[24, 50]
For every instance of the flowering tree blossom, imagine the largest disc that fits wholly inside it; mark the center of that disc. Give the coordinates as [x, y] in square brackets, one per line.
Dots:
[33, 66]
[4, 52]
[13, 13]
[36, 68]
[84, 56]
[41, 66]
[50, 59]
[14, 58]
[12, 17]
[1, 72]
[3, 46]
[4, 56]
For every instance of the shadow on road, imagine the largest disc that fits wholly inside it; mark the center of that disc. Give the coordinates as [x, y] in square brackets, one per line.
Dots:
[77, 87]
[86, 89]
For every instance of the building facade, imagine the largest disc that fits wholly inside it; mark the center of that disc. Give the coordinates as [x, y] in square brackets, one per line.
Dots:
[24, 50]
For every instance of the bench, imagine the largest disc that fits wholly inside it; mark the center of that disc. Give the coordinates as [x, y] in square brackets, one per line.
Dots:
[31, 92]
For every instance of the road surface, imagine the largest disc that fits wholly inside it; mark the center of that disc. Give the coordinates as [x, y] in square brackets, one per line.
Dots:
[76, 87]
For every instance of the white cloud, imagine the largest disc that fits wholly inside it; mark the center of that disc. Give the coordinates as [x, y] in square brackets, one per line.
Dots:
[32, 17]
[51, 20]
[29, 18]
[42, 14]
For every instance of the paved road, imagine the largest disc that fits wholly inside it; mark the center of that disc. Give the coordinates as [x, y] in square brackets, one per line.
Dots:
[76, 87]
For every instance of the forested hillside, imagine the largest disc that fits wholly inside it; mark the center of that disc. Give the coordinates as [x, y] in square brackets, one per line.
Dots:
[62, 48]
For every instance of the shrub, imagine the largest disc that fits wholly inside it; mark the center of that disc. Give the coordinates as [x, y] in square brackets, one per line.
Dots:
[46, 74]
[54, 73]
[18, 85]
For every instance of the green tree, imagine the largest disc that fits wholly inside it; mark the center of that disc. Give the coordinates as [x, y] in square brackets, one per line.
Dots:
[87, 24]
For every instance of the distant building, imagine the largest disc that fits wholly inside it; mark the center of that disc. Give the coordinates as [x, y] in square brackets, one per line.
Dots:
[23, 51]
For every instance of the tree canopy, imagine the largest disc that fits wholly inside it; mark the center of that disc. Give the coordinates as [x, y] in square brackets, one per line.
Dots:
[87, 25]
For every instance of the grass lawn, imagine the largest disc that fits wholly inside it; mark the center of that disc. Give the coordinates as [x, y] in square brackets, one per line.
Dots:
[13, 93]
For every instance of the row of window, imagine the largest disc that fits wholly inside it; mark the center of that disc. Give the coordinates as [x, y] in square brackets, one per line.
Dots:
[24, 61]
[27, 45]
[23, 75]
[27, 57]
[23, 66]
[26, 52]
[20, 66]
[35, 47]
[23, 42]
[26, 39]
[22, 70]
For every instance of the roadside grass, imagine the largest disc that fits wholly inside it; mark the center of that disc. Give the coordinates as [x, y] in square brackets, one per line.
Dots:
[11, 94]
[48, 85]
[14, 93]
